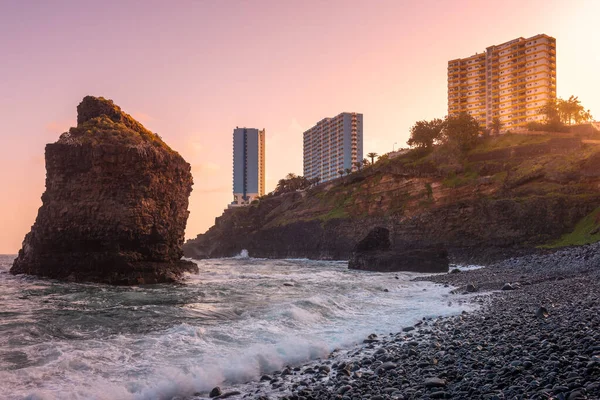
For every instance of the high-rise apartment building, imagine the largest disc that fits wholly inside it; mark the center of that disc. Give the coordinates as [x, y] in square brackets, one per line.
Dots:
[248, 165]
[333, 144]
[511, 81]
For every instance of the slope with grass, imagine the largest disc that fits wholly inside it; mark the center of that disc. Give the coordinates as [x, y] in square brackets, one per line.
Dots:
[511, 193]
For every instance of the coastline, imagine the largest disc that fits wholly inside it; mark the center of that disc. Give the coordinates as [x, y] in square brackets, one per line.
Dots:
[538, 340]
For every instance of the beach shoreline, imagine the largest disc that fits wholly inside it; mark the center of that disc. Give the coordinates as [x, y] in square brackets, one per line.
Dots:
[539, 338]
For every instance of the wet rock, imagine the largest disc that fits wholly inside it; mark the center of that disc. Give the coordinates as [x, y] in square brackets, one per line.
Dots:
[115, 206]
[471, 288]
[215, 392]
[374, 253]
[508, 286]
[228, 394]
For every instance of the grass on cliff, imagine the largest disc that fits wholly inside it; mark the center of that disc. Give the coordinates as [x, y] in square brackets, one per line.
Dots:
[510, 140]
[586, 231]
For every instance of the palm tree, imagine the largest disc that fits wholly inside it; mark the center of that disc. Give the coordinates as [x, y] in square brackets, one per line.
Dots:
[290, 176]
[341, 172]
[358, 165]
[372, 157]
[496, 125]
[366, 162]
[348, 171]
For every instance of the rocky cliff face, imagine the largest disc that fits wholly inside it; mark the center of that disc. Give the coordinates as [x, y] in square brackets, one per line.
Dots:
[115, 205]
[504, 198]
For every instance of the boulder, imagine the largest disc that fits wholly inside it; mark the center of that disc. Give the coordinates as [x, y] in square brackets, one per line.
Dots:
[375, 253]
[115, 205]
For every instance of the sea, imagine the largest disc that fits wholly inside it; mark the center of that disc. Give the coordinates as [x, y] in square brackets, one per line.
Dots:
[237, 319]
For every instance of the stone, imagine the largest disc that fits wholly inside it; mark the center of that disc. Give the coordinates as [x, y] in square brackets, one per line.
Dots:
[471, 288]
[215, 392]
[434, 382]
[542, 312]
[228, 394]
[374, 253]
[115, 206]
[344, 389]
[508, 286]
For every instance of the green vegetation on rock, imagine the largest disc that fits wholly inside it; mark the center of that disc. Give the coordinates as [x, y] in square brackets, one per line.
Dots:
[586, 231]
[101, 121]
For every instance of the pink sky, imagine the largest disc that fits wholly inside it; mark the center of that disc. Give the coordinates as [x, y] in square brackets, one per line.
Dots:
[193, 70]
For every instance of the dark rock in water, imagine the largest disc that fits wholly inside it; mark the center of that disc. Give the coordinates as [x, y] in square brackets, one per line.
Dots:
[288, 284]
[377, 239]
[455, 271]
[228, 394]
[471, 288]
[373, 253]
[508, 286]
[215, 392]
[115, 206]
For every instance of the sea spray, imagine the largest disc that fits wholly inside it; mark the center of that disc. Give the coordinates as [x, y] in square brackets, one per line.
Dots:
[235, 320]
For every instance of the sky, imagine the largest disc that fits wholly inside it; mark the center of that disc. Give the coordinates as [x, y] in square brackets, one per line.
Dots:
[194, 70]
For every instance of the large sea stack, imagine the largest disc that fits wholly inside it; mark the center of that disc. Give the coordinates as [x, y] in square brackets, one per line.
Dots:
[115, 206]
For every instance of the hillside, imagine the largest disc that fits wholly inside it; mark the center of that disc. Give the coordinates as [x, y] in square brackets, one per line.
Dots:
[511, 193]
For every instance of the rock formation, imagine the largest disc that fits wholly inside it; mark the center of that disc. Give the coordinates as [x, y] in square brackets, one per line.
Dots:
[115, 206]
[506, 198]
[375, 253]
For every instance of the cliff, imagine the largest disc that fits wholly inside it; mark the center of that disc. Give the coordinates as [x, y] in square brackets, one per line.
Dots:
[115, 205]
[510, 194]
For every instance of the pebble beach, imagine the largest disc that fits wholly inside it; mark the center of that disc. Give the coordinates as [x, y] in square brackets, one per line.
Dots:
[536, 335]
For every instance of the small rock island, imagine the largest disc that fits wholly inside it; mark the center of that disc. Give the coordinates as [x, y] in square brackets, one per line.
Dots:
[115, 206]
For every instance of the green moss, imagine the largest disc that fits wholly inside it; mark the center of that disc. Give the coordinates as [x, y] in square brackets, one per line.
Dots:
[100, 121]
[453, 180]
[586, 231]
[336, 213]
[509, 140]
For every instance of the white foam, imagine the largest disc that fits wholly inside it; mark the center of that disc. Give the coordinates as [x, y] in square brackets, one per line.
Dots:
[238, 322]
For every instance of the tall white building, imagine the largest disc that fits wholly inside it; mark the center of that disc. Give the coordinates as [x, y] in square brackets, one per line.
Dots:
[511, 81]
[333, 144]
[248, 165]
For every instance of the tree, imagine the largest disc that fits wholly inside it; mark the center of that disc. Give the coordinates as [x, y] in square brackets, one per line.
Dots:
[358, 165]
[462, 130]
[366, 162]
[341, 172]
[372, 157]
[564, 111]
[383, 157]
[348, 171]
[496, 125]
[291, 183]
[424, 134]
